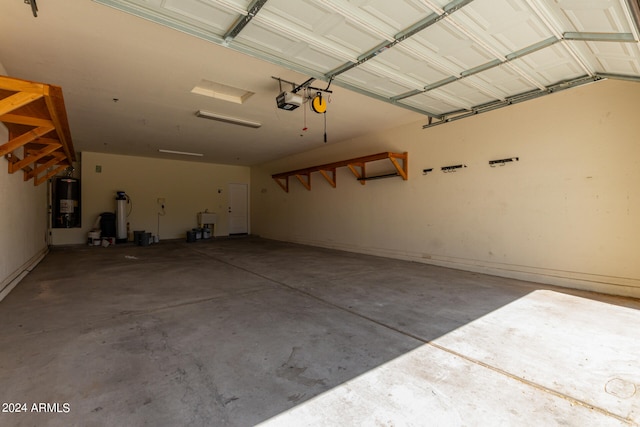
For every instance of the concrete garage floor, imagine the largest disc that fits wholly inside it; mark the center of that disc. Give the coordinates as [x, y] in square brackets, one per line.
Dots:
[247, 331]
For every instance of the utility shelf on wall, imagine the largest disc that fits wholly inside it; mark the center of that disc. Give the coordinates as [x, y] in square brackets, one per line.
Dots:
[355, 165]
[39, 137]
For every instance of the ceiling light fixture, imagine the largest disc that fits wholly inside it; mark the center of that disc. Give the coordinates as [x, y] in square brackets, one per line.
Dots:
[184, 153]
[227, 119]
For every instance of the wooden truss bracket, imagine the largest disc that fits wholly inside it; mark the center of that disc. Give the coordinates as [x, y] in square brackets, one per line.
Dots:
[358, 170]
[39, 138]
[305, 181]
[330, 179]
[283, 183]
[400, 162]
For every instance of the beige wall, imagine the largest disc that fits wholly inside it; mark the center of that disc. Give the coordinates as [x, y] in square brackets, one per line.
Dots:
[567, 213]
[187, 187]
[23, 223]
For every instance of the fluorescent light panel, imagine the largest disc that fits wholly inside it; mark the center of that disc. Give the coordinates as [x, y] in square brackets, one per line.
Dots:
[227, 119]
[184, 153]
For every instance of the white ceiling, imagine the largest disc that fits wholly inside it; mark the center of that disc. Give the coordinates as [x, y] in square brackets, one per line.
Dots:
[428, 61]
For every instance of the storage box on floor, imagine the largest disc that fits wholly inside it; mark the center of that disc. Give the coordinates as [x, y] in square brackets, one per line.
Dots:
[142, 238]
[94, 239]
[198, 234]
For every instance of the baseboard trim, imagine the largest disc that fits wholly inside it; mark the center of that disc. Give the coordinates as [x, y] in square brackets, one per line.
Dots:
[621, 286]
[12, 281]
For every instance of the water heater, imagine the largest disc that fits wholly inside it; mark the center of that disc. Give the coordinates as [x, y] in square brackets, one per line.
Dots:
[121, 216]
[66, 202]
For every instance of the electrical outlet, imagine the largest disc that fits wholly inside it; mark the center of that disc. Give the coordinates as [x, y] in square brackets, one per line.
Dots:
[161, 200]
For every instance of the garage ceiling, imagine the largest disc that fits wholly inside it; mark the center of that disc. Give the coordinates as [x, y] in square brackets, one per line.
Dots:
[133, 86]
[438, 57]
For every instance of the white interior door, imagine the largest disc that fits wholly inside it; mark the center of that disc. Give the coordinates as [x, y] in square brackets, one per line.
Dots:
[238, 209]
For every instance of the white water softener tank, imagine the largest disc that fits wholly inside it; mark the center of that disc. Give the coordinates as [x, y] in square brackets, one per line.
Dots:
[121, 216]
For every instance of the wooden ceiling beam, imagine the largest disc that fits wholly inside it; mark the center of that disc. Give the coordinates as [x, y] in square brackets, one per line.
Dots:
[12, 159]
[56, 159]
[20, 119]
[58, 114]
[23, 139]
[37, 120]
[17, 100]
[32, 158]
[19, 85]
[40, 180]
[35, 146]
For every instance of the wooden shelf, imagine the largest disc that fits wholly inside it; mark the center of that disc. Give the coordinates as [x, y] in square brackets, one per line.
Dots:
[39, 138]
[356, 165]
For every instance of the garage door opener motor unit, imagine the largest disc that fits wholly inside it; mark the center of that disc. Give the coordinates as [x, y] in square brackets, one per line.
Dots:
[288, 101]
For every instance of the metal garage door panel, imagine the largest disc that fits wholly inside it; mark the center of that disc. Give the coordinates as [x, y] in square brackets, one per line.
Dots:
[320, 16]
[316, 59]
[317, 25]
[506, 25]
[211, 17]
[466, 93]
[540, 41]
[398, 15]
[288, 48]
[614, 58]
[428, 102]
[502, 81]
[551, 65]
[403, 62]
[370, 79]
[599, 16]
[375, 67]
[448, 43]
[428, 53]
[352, 37]
[217, 19]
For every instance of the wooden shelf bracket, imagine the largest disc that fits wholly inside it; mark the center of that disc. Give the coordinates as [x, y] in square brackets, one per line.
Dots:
[306, 182]
[330, 179]
[357, 166]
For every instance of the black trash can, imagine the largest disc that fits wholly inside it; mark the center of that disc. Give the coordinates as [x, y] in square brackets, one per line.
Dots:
[137, 236]
[108, 224]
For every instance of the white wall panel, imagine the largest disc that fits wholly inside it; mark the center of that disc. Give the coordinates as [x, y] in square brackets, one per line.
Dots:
[564, 214]
[23, 222]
